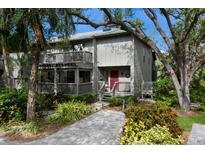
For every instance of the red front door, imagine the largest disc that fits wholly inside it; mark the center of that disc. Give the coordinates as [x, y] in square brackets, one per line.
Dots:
[114, 77]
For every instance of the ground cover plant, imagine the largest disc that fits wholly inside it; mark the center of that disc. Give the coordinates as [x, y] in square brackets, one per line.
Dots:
[70, 111]
[136, 133]
[118, 100]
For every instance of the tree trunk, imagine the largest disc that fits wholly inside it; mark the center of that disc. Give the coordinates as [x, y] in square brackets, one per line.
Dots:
[182, 89]
[6, 67]
[32, 86]
[34, 70]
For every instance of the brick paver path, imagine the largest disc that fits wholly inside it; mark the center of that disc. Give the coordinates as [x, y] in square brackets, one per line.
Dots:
[103, 127]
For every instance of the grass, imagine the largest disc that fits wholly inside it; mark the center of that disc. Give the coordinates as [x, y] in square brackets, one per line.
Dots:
[185, 122]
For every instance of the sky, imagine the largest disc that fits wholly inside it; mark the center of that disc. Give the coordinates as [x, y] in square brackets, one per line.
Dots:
[97, 16]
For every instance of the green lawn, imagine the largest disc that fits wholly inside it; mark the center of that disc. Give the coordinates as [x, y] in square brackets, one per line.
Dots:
[185, 122]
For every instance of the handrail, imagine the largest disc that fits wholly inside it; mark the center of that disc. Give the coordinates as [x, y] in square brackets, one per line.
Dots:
[58, 57]
[66, 52]
[115, 85]
[101, 90]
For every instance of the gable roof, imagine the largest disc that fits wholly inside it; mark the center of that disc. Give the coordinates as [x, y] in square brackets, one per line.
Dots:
[96, 34]
[91, 35]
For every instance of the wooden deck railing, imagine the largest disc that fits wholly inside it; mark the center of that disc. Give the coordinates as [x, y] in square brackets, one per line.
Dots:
[66, 57]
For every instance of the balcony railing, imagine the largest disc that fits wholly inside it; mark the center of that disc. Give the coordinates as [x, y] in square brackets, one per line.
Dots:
[66, 57]
[65, 88]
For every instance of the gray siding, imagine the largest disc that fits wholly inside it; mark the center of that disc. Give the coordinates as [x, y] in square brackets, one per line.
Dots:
[145, 59]
[115, 51]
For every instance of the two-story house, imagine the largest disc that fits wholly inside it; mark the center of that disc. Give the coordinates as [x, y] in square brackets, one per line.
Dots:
[109, 62]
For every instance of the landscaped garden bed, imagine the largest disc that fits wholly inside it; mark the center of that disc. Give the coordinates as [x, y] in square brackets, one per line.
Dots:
[151, 124]
[65, 111]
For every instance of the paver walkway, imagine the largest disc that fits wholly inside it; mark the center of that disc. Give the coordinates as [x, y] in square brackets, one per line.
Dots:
[197, 135]
[103, 127]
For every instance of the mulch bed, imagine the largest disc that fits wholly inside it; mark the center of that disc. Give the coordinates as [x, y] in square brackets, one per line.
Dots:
[183, 113]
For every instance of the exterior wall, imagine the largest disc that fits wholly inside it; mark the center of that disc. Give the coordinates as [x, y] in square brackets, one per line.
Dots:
[144, 56]
[118, 51]
[114, 51]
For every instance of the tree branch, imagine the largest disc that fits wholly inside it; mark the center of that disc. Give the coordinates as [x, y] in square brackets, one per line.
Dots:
[108, 14]
[192, 24]
[164, 12]
[151, 14]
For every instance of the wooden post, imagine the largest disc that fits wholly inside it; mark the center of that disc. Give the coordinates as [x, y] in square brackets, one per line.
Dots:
[39, 81]
[95, 67]
[77, 80]
[55, 81]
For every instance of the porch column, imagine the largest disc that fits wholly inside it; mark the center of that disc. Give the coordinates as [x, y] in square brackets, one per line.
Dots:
[55, 80]
[95, 67]
[77, 80]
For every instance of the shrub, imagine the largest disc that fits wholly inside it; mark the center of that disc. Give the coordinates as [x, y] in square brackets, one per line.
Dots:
[87, 98]
[31, 127]
[13, 105]
[118, 100]
[70, 111]
[199, 108]
[44, 102]
[164, 91]
[136, 133]
[153, 114]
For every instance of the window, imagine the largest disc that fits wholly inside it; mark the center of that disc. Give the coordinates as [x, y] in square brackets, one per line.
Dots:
[66, 76]
[84, 76]
[143, 55]
[47, 76]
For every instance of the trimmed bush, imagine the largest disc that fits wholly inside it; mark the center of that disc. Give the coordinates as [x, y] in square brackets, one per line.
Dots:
[136, 133]
[13, 105]
[69, 111]
[118, 100]
[152, 114]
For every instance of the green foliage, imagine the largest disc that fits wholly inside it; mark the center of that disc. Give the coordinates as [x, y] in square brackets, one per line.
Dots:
[164, 91]
[87, 98]
[118, 100]
[152, 114]
[197, 87]
[185, 122]
[31, 127]
[136, 133]
[13, 105]
[49, 101]
[199, 108]
[69, 111]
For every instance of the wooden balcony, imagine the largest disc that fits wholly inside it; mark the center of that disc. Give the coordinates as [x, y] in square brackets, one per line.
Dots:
[66, 57]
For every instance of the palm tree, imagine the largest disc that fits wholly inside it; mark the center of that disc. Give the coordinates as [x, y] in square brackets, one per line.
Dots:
[59, 22]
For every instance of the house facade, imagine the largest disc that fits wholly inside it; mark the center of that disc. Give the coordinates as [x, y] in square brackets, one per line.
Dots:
[107, 62]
